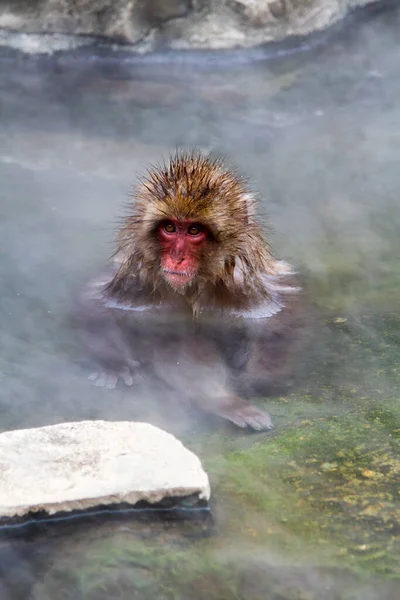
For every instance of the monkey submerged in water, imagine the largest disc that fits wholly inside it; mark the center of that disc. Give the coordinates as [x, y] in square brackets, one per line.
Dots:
[194, 294]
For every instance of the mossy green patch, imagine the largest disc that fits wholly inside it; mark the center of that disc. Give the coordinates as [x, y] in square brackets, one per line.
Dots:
[327, 483]
[125, 565]
[333, 482]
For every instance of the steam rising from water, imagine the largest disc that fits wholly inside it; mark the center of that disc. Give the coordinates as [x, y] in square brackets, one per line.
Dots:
[319, 136]
[316, 134]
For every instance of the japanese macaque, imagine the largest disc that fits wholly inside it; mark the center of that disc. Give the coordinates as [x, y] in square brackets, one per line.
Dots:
[194, 295]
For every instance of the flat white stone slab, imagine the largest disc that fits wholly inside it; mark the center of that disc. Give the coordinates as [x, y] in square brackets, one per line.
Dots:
[76, 466]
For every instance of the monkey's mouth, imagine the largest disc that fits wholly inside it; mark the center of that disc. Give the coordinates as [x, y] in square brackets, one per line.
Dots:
[179, 278]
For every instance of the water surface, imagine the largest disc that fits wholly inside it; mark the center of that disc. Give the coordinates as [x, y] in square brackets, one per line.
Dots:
[312, 510]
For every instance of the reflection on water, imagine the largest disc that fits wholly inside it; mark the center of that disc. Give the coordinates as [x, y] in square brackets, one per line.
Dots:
[312, 510]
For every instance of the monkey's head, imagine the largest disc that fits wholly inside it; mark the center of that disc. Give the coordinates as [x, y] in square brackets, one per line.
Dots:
[193, 227]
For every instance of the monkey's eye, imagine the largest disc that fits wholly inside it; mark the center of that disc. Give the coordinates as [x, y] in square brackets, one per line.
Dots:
[169, 228]
[194, 230]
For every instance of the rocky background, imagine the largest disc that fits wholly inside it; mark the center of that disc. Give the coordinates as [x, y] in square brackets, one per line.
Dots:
[183, 24]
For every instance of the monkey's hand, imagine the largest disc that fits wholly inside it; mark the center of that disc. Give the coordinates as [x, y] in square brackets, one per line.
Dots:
[104, 340]
[243, 414]
[109, 379]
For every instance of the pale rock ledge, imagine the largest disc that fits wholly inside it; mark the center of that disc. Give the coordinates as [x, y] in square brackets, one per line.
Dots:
[77, 466]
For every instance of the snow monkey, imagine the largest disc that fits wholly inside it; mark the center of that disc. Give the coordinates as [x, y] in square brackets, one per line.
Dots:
[194, 295]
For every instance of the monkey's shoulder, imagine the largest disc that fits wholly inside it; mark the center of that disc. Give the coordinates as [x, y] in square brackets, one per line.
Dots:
[272, 296]
[209, 310]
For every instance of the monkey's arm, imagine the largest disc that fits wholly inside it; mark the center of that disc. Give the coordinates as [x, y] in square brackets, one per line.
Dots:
[272, 350]
[198, 374]
[103, 337]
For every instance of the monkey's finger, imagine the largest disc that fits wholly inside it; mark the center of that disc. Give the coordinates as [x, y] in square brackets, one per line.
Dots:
[127, 377]
[251, 417]
[101, 380]
[111, 381]
[261, 424]
[260, 421]
[133, 363]
[235, 418]
[97, 379]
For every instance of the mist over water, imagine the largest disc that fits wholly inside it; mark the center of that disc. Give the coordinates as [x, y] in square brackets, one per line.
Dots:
[318, 135]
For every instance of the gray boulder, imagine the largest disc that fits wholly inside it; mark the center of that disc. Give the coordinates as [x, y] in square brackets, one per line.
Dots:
[151, 24]
[76, 466]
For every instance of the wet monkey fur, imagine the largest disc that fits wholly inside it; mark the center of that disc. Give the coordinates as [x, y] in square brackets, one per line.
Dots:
[194, 295]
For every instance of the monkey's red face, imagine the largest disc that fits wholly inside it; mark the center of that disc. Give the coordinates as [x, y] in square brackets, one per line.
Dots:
[181, 244]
